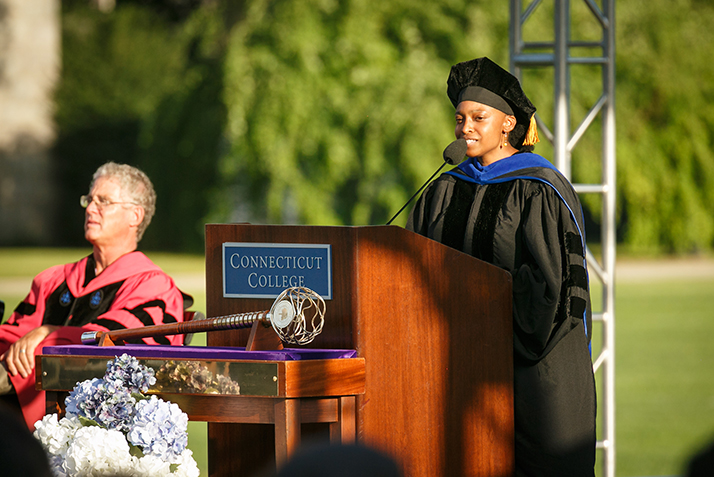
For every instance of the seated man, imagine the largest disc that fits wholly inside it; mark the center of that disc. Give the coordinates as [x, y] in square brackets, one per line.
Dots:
[115, 287]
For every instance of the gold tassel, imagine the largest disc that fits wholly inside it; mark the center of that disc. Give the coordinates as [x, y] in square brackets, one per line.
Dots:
[532, 133]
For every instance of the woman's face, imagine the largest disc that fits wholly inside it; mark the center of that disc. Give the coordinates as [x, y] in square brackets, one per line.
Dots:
[483, 128]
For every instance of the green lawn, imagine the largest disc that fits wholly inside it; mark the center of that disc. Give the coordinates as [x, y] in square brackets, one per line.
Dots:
[664, 355]
[664, 359]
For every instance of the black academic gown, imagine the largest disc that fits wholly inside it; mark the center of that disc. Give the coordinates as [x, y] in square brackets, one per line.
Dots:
[523, 216]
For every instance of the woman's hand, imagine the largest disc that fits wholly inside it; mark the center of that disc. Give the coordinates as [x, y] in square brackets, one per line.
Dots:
[20, 356]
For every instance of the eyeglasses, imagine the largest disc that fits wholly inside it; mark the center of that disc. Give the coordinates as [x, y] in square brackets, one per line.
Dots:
[101, 202]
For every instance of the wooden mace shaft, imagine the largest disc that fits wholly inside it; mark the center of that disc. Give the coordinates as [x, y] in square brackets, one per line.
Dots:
[228, 322]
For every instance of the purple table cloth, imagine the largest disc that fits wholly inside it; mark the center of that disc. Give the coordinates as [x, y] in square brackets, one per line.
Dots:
[198, 352]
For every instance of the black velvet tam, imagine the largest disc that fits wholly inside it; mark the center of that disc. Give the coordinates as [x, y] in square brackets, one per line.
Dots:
[486, 74]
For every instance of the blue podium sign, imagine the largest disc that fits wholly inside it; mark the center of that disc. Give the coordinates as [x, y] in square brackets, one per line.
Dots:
[264, 270]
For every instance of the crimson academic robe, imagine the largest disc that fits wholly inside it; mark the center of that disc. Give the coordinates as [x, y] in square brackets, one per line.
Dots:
[522, 215]
[130, 293]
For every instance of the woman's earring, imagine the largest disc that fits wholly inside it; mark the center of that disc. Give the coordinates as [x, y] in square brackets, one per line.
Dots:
[505, 139]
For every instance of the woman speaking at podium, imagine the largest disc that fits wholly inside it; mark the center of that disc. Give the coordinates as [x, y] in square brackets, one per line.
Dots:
[512, 208]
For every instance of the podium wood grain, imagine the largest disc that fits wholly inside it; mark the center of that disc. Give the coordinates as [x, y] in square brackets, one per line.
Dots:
[435, 328]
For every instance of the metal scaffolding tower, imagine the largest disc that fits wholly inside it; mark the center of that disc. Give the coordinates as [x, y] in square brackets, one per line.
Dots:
[561, 54]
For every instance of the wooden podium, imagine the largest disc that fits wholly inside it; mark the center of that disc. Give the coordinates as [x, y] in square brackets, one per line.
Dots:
[435, 328]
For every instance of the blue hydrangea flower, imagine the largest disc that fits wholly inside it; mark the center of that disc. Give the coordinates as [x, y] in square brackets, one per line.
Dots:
[109, 407]
[109, 401]
[85, 398]
[159, 428]
[116, 411]
[126, 372]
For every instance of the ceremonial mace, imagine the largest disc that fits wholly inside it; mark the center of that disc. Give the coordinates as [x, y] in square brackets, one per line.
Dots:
[287, 317]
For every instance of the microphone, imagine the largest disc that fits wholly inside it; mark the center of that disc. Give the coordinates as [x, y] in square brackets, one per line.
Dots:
[453, 154]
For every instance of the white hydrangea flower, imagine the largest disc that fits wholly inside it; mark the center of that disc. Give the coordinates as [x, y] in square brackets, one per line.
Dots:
[187, 465]
[151, 466]
[96, 452]
[55, 436]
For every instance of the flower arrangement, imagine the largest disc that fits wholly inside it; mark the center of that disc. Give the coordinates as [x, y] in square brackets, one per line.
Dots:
[113, 428]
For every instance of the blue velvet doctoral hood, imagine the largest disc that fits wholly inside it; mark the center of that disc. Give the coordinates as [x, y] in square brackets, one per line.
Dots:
[502, 170]
[526, 165]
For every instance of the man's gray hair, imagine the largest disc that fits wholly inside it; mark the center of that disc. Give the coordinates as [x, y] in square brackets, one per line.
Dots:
[135, 185]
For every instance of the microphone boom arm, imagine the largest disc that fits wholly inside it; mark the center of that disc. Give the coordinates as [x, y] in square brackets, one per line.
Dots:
[453, 154]
[416, 193]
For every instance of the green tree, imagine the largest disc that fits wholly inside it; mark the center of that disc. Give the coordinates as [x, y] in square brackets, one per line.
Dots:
[665, 129]
[143, 87]
[337, 111]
